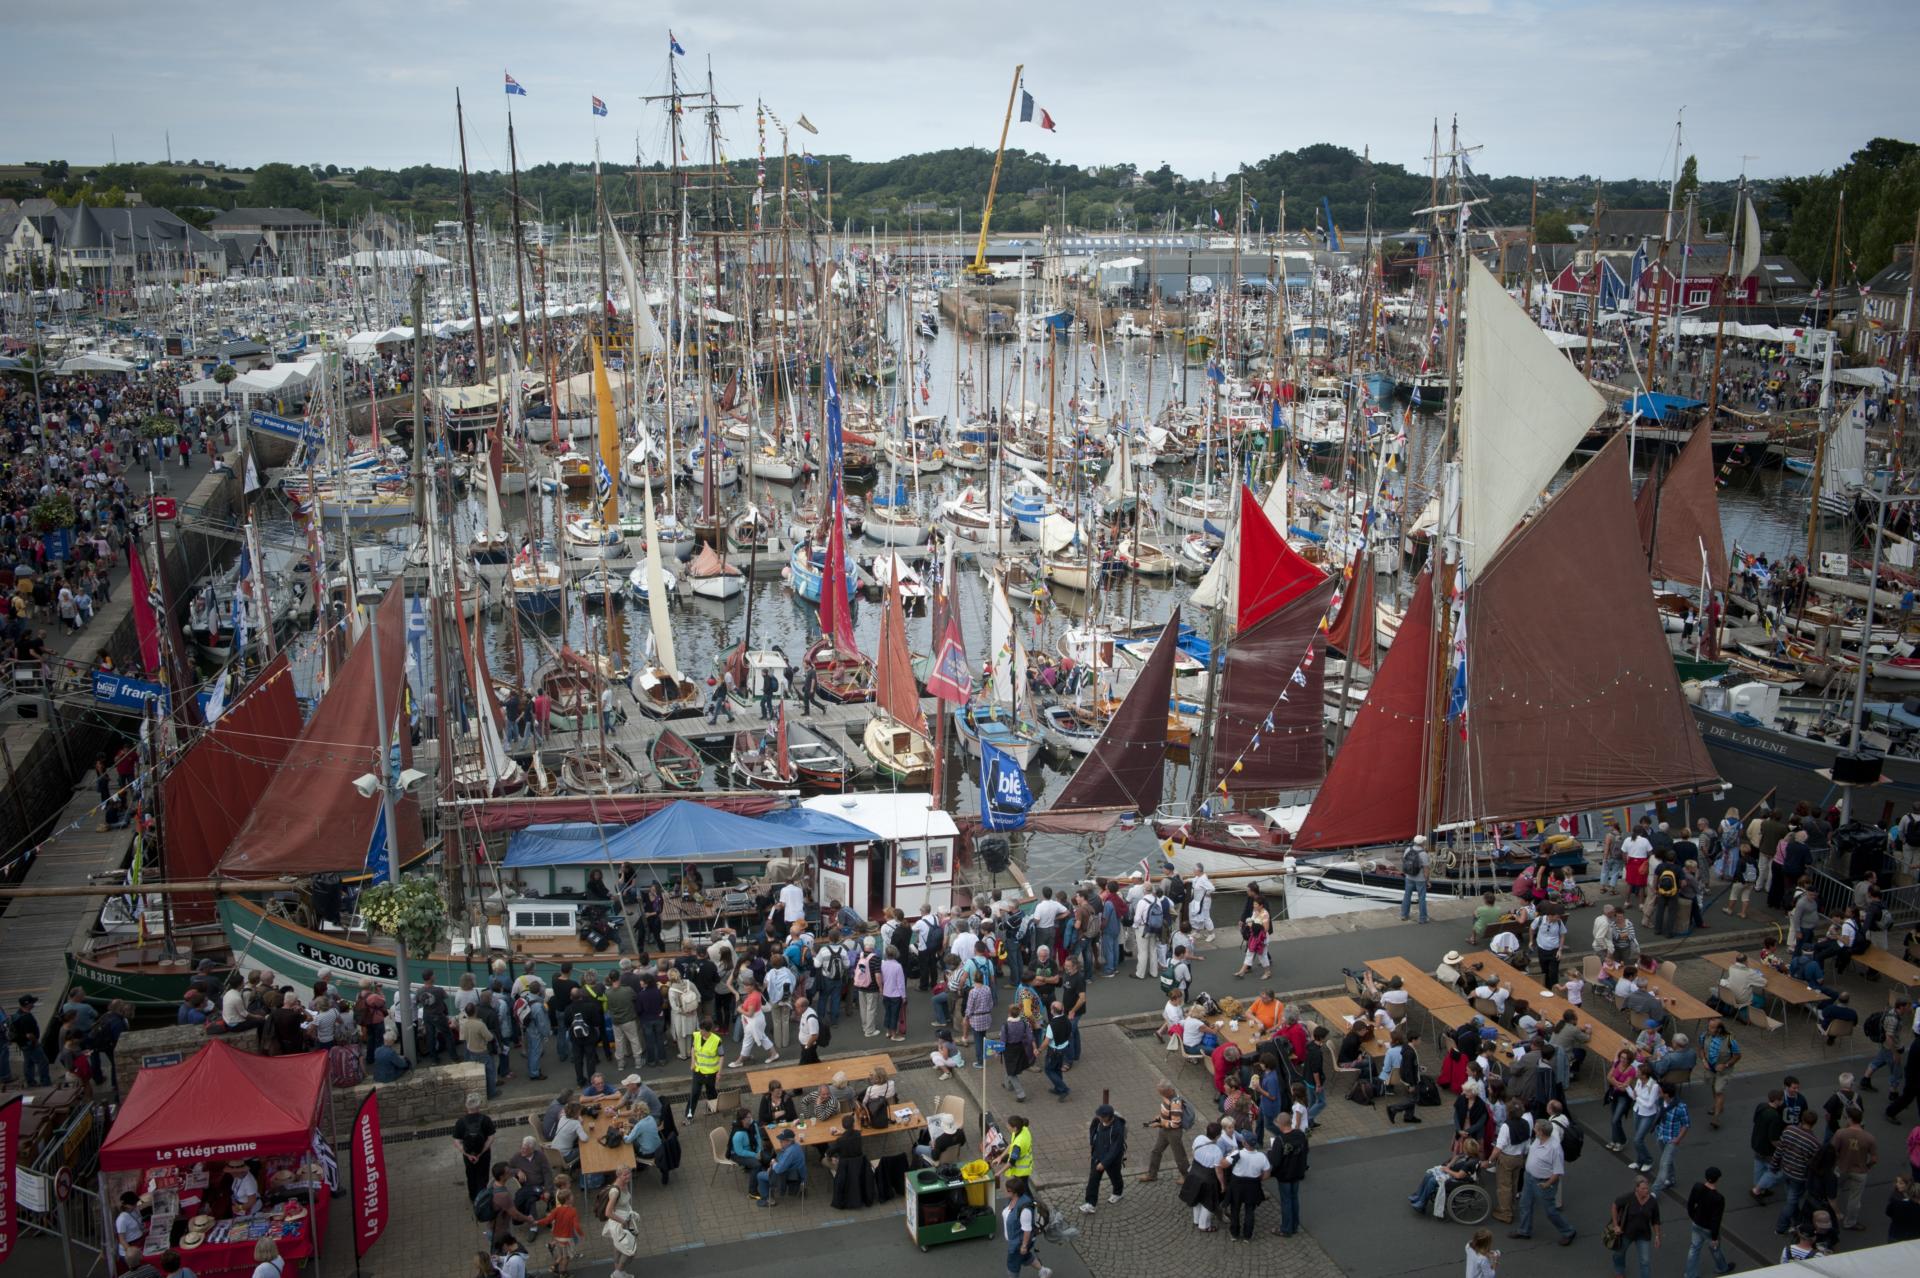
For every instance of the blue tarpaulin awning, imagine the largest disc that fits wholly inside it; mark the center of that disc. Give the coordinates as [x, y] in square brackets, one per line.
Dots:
[683, 831]
[1659, 407]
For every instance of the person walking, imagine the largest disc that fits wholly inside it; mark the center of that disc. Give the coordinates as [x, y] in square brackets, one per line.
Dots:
[473, 1136]
[1019, 1224]
[1289, 1158]
[1671, 1130]
[1246, 1169]
[1549, 936]
[1706, 1206]
[707, 1051]
[1635, 1219]
[809, 690]
[1540, 1179]
[1107, 1150]
[1170, 1132]
[1792, 1166]
[769, 689]
[1416, 864]
[1855, 1154]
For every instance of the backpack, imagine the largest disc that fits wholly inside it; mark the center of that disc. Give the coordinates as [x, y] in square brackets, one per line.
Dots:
[360, 1015]
[1156, 916]
[1749, 871]
[829, 961]
[936, 938]
[483, 1209]
[1573, 1139]
[1519, 1127]
[581, 1028]
[823, 1029]
[1876, 1027]
[1910, 830]
[1172, 977]
[1668, 884]
[1186, 1113]
[1410, 863]
[863, 972]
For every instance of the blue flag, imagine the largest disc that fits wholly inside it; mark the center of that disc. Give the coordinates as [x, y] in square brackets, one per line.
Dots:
[1026, 107]
[1004, 796]
[835, 444]
[599, 107]
[673, 45]
[379, 854]
[513, 87]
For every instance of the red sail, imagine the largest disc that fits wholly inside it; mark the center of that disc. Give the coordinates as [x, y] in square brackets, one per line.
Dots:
[836, 618]
[1352, 631]
[1272, 573]
[1574, 707]
[311, 819]
[1687, 518]
[212, 790]
[895, 691]
[1292, 754]
[1373, 790]
[1127, 766]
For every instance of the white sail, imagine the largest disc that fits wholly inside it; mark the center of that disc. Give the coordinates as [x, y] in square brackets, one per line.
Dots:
[657, 588]
[496, 523]
[1523, 408]
[1006, 655]
[1217, 586]
[646, 334]
[1749, 242]
[1845, 467]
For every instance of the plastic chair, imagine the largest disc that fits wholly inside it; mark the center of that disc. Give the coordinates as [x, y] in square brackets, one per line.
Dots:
[1837, 1030]
[717, 1143]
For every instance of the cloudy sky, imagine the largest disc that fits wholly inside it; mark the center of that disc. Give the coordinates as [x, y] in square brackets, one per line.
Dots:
[1561, 87]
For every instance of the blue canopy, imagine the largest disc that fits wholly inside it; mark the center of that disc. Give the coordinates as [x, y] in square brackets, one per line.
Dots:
[1659, 407]
[681, 831]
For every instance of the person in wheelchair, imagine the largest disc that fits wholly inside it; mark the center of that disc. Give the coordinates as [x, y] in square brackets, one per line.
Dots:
[1463, 1168]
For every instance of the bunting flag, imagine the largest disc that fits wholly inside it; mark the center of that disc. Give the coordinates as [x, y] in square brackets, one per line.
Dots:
[673, 46]
[514, 89]
[379, 860]
[599, 107]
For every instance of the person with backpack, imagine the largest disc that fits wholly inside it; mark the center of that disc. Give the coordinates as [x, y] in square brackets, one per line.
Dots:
[1666, 894]
[1177, 975]
[1882, 1032]
[1288, 1154]
[1020, 1224]
[866, 989]
[1149, 916]
[1416, 863]
[582, 1030]
[1170, 1125]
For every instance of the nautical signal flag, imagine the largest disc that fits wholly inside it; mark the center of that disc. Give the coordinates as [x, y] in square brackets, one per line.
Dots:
[806, 124]
[673, 46]
[599, 107]
[1028, 109]
[513, 87]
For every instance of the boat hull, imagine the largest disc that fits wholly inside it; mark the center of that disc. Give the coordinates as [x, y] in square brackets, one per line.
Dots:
[1754, 760]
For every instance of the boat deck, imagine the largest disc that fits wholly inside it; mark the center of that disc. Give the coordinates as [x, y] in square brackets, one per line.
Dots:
[42, 930]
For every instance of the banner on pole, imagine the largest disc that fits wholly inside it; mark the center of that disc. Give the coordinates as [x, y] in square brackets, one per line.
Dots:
[369, 1177]
[9, 1162]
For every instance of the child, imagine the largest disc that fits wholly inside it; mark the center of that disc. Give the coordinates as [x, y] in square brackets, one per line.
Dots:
[566, 1230]
[946, 1056]
[1575, 989]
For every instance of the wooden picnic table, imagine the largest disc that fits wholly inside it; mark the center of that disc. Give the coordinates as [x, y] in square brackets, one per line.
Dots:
[1889, 965]
[1780, 987]
[1681, 1005]
[902, 1116]
[1602, 1038]
[801, 1078]
[1451, 1016]
[1419, 984]
[1339, 1014]
[1245, 1035]
[598, 1158]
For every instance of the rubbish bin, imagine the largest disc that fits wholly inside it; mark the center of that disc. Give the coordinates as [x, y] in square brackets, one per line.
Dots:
[978, 1178]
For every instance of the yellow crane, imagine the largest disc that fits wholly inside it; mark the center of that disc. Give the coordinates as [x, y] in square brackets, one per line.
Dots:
[978, 267]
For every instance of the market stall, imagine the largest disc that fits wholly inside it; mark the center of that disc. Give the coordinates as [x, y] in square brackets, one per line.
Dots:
[224, 1150]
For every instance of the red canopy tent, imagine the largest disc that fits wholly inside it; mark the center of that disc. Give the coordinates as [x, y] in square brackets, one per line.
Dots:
[221, 1105]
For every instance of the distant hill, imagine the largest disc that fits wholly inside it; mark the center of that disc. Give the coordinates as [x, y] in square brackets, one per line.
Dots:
[939, 192]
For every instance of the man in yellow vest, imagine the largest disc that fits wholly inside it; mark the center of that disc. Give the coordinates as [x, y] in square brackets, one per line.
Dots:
[706, 1067]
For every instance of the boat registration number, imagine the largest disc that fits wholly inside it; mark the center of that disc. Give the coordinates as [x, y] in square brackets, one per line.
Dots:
[354, 963]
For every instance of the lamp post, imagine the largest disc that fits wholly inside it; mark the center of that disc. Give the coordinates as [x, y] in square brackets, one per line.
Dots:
[383, 781]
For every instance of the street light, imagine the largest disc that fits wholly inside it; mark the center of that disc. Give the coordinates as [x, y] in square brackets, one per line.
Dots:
[384, 783]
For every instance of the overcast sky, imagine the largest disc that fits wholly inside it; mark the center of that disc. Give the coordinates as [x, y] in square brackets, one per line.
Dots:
[1547, 87]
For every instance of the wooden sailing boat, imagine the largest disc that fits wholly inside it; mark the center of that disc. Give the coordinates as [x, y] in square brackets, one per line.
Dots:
[1126, 767]
[841, 672]
[999, 717]
[675, 762]
[662, 691]
[896, 737]
[490, 544]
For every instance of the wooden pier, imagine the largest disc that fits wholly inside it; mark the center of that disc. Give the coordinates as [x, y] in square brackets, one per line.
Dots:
[41, 931]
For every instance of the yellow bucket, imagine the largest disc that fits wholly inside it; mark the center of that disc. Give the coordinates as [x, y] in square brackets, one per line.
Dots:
[979, 1181]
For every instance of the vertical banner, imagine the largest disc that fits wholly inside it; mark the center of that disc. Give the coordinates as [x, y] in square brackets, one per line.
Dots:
[9, 1162]
[369, 1177]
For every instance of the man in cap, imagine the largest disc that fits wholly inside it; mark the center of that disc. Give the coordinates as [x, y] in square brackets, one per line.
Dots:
[1415, 863]
[788, 1169]
[23, 1031]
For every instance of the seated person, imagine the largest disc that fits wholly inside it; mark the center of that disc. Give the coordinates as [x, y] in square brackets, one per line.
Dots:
[1746, 986]
[1394, 999]
[569, 1132]
[1266, 1010]
[1192, 1031]
[1648, 1045]
[946, 1054]
[1353, 1046]
[1677, 1059]
[829, 1099]
[1462, 1167]
[1485, 915]
[1833, 1012]
[644, 1133]
[598, 1086]
[944, 1138]
[880, 1090]
[1643, 1005]
[1493, 992]
[1448, 973]
[788, 1171]
[777, 1106]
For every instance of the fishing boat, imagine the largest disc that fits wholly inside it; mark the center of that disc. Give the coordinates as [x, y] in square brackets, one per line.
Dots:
[535, 581]
[973, 521]
[637, 583]
[896, 737]
[1028, 502]
[1069, 729]
[762, 758]
[711, 577]
[149, 973]
[595, 769]
[599, 586]
[676, 763]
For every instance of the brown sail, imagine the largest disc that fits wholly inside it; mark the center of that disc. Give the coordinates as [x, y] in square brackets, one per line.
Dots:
[1127, 766]
[1572, 702]
[1679, 518]
[1260, 698]
[1352, 631]
[895, 690]
[311, 818]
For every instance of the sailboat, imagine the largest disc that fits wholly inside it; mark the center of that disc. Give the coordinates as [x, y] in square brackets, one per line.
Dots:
[712, 577]
[998, 719]
[896, 737]
[841, 672]
[535, 581]
[1526, 726]
[761, 758]
[1126, 767]
[591, 537]
[663, 692]
[490, 544]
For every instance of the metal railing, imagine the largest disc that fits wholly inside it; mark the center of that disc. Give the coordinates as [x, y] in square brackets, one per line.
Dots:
[1835, 894]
